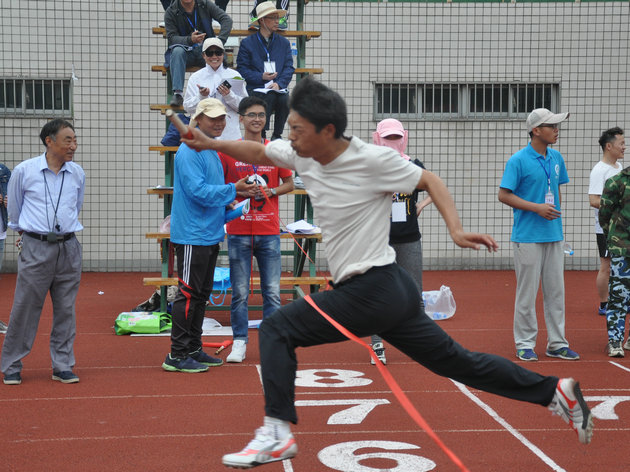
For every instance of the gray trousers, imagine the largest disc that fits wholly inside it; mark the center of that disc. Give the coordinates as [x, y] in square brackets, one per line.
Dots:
[409, 257]
[44, 267]
[539, 264]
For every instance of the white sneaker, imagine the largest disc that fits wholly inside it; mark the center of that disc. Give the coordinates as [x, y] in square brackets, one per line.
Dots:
[569, 404]
[379, 350]
[615, 349]
[239, 347]
[626, 346]
[264, 448]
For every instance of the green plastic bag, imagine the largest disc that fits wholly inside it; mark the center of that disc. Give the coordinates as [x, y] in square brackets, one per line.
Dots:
[143, 322]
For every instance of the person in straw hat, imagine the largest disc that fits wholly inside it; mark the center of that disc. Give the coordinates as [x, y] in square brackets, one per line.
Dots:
[265, 62]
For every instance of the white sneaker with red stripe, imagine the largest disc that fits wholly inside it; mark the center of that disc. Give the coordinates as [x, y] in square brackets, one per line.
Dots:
[264, 448]
[569, 404]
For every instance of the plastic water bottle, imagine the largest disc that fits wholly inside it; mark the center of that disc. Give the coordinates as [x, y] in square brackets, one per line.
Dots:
[568, 249]
[294, 52]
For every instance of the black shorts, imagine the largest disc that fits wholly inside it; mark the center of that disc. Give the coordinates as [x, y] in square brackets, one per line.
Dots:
[602, 245]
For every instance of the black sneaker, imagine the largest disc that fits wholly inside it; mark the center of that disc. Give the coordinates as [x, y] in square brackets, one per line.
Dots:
[177, 101]
[186, 364]
[205, 359]
[66, 377]
[12, 379]
[3, 327]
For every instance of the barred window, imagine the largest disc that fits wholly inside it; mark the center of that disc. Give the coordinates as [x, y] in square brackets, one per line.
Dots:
[40, 97]
[463, 101]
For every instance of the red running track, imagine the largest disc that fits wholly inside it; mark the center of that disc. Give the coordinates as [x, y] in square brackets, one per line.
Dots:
[127, 414]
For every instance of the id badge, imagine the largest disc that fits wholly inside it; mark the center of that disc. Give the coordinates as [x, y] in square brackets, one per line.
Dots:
[399, 212]
[549, 198]
[51, 237]
[270, 66]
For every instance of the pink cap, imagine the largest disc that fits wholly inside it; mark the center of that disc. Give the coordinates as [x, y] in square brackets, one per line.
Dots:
[390, 126]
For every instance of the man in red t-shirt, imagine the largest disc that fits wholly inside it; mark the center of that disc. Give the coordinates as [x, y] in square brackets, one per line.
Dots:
[257, 233]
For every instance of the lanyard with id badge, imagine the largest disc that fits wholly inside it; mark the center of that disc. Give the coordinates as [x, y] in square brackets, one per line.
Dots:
[269, 65]
[399, 212]
[549, 198]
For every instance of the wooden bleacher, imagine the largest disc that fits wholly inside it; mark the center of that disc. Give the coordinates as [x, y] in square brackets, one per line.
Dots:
[298, 70]
[161, 30]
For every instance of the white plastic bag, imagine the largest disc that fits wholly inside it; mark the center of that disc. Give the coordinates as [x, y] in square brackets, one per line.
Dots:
[439, 304]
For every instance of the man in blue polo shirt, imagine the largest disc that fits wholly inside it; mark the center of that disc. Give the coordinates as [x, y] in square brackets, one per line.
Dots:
[531, 186]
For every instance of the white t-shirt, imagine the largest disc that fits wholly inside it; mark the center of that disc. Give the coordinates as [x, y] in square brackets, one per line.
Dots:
[352, 198]
[599, 175]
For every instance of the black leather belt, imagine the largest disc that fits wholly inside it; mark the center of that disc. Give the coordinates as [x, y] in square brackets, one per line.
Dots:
[55, 238]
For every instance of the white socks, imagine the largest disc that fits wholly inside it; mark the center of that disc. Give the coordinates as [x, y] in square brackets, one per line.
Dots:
[280, 428]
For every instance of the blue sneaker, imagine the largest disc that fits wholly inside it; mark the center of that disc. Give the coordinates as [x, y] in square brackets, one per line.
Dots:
[601, 311]
[186, 364]
[205, 359]
[526, 355]
[12, 379]
[563, 353]
[66, 377]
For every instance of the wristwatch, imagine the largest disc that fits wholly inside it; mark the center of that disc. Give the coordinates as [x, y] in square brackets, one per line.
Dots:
[273, 192]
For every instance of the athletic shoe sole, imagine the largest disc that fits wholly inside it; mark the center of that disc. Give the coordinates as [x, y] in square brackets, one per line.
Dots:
[12, 381]
[261, 457]
[560, 356]
[586, 428]
[66, 381]
[170, 368]
[565, 407]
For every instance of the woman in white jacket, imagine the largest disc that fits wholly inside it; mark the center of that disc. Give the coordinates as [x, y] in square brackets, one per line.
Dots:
[208, 82]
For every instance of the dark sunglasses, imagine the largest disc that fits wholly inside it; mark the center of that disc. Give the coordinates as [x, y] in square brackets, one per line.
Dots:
[554, 126]
[213, 52]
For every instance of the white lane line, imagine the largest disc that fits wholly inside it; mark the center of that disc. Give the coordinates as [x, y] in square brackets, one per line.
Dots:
[495, 416]
[620, 366]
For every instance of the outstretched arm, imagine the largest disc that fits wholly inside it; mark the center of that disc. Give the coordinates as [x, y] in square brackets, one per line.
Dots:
[446, 206]
[245, 151]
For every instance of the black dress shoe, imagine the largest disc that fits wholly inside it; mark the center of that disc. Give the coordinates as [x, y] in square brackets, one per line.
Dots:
[177, 100]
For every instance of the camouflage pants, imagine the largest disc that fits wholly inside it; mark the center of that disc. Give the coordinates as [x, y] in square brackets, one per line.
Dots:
[619, 297]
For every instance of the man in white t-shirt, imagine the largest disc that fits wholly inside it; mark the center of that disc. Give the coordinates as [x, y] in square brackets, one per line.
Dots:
[613, 144]
[350, 184]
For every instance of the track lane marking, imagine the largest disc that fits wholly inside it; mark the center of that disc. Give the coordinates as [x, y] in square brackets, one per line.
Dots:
[509, 428]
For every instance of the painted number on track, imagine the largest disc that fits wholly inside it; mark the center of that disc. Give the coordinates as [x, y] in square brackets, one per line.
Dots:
[327, 378]
[353, 415]
[605, 410]
[345, 457]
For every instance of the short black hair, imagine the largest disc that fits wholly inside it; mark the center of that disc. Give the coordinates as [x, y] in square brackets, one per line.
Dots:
[320, 105]
[53, 127]
[609, 136]
[249, 102]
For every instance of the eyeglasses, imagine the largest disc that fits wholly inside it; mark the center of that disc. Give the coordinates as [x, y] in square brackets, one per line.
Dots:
[554, 126]
[272, 18]
[253, 115]
[213, 52]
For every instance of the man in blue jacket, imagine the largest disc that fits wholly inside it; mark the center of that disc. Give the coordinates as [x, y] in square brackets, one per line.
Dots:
[265, 62]
[200, 196]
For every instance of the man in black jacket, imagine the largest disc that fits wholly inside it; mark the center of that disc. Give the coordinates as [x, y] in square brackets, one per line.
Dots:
[188, 24]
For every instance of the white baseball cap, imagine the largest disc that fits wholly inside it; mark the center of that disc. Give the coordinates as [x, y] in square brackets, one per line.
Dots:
[542, 116]
[216, 42]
